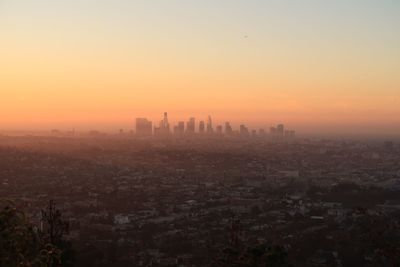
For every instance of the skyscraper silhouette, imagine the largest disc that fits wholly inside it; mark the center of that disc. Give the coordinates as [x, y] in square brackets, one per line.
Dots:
[228, 128]
[191, 126]
[201, 127]
[144, 127]
[163, 129]
[210, 129]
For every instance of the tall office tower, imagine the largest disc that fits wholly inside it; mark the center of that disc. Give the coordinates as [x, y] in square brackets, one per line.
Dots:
[244, 131]
[191, 126]
[219, 130]
[228, 128]
[163, 129]
[201, 127]
[280, 130]
[261, 132]
[144, 127]
[181, 126]
[210, 129]
[165, 123]
[179, 129]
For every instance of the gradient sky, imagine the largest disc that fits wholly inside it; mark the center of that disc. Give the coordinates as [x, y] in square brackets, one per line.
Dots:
[324, 66]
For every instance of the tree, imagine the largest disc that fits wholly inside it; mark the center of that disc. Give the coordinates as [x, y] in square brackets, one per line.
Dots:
[24, 245]
[20, 244]
[54, 230]
[54, 227]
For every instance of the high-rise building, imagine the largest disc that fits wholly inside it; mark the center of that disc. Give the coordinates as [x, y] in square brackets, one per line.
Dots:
[201, 127]
[244, 132]
[144, 127]
[210, 129]
[165, 123]
[219, 130]
[280, 130]
[179, 130]
[191, 126]
[163, 129]
[228, 128]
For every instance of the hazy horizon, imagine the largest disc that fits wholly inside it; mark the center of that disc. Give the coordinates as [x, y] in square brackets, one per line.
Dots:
[318, 67]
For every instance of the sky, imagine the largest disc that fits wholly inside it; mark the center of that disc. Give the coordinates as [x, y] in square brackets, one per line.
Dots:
[317, 66]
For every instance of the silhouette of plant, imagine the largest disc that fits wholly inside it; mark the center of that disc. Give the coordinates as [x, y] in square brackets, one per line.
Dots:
[22, 245]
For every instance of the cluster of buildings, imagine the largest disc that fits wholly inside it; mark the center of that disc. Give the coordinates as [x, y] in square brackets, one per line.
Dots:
[144, 128]
[141, 203]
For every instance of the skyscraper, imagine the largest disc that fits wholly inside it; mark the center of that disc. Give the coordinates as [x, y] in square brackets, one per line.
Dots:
[163, 129]
[179, 130]
[210, 129]
[244, 131]
[144, 127]
[280, 130]
[219, 130]
[191, 126]
[165, 123]
[228, 128]
[201, 127]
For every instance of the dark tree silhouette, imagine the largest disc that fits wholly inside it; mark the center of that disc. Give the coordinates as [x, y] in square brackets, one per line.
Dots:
[20, 244]
[54, 229]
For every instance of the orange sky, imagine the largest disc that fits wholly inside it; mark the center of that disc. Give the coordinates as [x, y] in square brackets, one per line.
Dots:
[101, 64]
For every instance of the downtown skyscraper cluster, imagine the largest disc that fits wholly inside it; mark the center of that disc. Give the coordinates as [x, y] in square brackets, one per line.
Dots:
[144, 128]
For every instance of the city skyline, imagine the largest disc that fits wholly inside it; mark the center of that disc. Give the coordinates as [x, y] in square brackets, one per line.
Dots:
[146, 128]
[199, 133]
[130, 126]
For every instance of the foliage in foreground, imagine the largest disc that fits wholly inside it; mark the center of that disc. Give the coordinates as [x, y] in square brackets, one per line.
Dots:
[22, 244]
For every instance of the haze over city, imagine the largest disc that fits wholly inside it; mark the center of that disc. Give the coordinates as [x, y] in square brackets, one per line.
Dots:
[199, 133]
[318, 66]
